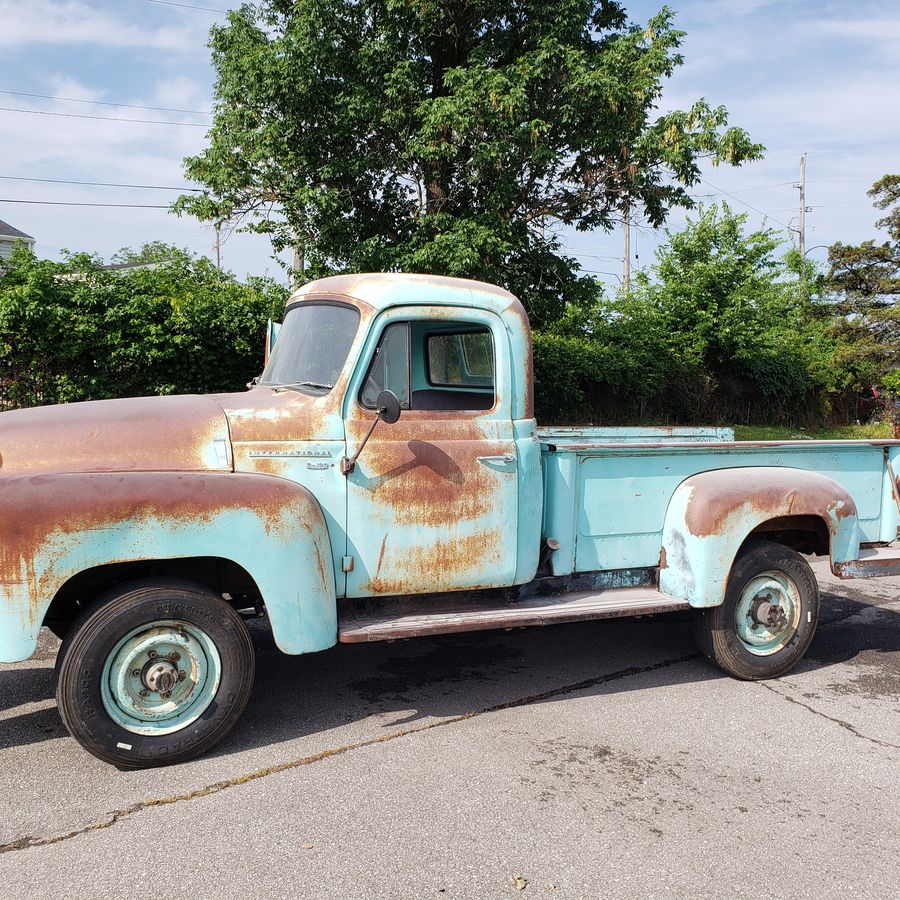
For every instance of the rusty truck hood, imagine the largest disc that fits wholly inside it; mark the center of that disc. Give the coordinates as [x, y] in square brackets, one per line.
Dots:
[181, 434]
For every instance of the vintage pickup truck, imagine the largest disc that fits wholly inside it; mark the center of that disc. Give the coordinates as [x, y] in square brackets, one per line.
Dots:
[385, 478]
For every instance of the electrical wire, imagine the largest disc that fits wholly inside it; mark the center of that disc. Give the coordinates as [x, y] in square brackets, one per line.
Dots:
[102, 205]
[193, 112]
[46, 112]
[188, 6]
[152, 187]
[73, 203]
[727, 194]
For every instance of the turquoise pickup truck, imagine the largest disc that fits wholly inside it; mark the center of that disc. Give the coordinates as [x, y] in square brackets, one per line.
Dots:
[385, 478]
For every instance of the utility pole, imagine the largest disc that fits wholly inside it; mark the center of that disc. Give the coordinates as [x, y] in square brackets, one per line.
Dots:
[626, 272]
[802, 229]
[298, 265]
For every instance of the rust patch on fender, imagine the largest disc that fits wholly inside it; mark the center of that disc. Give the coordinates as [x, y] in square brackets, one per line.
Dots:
[39, 507]
[718, 496]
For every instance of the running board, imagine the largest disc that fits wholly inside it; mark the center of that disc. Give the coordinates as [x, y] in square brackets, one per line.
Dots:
[872, 563]
[446, 617]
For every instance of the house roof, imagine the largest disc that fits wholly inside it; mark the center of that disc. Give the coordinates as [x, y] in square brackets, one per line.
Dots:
[7, 230]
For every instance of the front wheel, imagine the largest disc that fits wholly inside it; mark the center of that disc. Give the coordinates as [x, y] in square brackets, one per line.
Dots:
[768, 618]
[154, 674]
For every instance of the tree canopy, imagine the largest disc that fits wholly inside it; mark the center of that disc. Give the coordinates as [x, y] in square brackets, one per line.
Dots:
[449, 136]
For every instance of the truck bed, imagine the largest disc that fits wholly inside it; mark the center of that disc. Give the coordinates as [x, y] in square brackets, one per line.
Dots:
[606, 490]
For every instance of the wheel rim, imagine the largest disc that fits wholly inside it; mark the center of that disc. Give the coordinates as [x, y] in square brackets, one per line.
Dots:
[768, 613]
[160, 677]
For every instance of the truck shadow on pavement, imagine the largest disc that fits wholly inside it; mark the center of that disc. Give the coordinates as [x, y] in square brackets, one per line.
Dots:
[403, 682]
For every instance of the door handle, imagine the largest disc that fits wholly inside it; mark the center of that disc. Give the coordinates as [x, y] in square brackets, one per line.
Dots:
[506, 459]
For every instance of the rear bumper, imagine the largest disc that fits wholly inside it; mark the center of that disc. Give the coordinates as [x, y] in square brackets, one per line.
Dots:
[872, 563]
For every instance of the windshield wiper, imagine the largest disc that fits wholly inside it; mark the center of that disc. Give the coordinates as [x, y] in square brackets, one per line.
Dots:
[297, 384]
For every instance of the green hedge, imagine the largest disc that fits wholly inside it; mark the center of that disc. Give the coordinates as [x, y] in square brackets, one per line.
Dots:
[74, 330]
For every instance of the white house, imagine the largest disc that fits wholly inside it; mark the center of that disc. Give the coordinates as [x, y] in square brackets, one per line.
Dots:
[8, 238]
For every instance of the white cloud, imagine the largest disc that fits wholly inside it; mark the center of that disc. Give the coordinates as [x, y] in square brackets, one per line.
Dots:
[877, 30]
[76, 23]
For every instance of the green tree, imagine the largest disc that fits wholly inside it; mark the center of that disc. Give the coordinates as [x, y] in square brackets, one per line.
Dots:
[74, 330]
[449, 136]
[716, 330]
[865, 279]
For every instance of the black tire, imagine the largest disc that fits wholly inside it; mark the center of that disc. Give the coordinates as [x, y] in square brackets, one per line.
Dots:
[96, 639]
[717, 628]
[58, 629]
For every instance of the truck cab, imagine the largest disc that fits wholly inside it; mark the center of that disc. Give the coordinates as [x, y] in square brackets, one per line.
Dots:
[447, 498]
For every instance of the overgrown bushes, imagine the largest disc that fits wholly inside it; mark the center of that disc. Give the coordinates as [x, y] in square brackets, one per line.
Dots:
[74, 330]
[719, 330]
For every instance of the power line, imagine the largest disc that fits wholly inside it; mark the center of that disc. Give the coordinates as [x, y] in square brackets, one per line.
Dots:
[193, 112]
[72, 203]
[153, 187]
[764, 187]
[188, 6]
[46, 112]
[876, 149]
[710, 184]
[872, 148]
[105, 205]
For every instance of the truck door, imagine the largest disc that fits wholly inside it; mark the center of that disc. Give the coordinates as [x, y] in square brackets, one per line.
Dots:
[432, 502]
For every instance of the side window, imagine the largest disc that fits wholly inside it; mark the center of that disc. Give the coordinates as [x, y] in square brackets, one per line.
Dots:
[389, 370]
[461, 360]
[459, 372]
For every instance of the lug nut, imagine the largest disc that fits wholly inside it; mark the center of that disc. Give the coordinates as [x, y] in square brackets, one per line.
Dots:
[165, 695]
[152, 654]
[145, 693]
[174, 656]
[182, 675]
[135, 673]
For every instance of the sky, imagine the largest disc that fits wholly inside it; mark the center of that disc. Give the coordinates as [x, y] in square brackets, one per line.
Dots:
[801, 77]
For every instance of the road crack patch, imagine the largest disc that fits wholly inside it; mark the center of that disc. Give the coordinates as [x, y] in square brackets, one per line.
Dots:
[28, 842]
[845, 725]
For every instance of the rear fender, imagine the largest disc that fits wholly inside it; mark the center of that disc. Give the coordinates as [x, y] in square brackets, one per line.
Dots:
[53, 527]
[711, 514]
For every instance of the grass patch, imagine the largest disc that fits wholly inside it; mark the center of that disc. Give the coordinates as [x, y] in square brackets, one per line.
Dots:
[837, 433]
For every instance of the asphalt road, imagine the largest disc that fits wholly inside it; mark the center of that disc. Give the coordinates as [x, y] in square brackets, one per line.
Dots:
[591, 760]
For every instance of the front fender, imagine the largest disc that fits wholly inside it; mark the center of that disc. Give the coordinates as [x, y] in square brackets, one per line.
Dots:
[54, 526]
[711, 514]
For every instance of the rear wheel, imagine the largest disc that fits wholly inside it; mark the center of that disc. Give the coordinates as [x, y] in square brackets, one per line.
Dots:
[768, 618]
[153, 674]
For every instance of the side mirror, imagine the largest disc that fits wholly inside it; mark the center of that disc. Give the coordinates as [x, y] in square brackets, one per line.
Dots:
[387, 409]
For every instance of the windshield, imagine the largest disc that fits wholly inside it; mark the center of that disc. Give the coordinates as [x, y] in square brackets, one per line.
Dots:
[312, 347]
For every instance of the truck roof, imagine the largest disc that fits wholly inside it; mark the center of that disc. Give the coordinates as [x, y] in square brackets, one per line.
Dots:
[382, 289]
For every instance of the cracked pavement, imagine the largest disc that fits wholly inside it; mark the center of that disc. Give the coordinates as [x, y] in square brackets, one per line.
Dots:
[597, 759]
